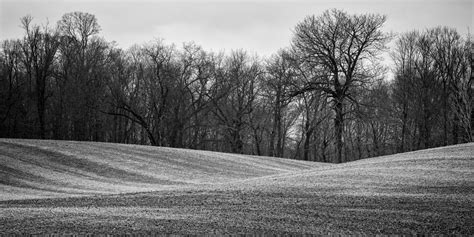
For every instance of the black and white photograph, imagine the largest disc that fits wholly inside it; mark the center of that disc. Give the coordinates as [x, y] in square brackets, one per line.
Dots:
[236, 117]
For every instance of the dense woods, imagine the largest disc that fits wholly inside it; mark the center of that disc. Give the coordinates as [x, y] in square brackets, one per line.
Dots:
[325, 97]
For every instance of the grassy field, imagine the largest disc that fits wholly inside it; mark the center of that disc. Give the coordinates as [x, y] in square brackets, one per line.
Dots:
[83, 187]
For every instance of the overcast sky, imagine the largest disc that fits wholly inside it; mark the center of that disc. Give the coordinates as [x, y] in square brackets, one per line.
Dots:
[261, 26]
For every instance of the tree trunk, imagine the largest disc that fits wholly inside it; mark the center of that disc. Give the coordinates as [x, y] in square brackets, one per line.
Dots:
[279, 147]
[426, 130]
[338, 128]
[40, 96]
[257, 141]
[445, 115]
[404, 128]
[359, 147]
[271, 145]
[323, 150]
[375, 140]
[455, 131]
[176, 137]
[307, 139]
[236, 144]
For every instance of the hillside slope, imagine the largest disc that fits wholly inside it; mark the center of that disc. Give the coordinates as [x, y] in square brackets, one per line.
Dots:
[428, 192]
[45, 168]
[445, 171]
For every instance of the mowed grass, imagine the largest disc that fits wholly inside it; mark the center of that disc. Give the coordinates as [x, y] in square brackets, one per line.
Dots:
[80, 187]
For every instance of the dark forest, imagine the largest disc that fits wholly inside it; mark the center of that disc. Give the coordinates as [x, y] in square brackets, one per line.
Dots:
[326, 97]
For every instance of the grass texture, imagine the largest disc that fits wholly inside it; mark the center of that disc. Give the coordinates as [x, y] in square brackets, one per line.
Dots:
[64, 187]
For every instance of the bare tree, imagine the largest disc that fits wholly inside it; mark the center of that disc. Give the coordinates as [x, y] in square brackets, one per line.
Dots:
[448, 55]
[39, 50]
[79, 27]
[462, 99]
[143, 97]
[259, 124]
[340, 47]
[322, 99]
[404, 58]
[313, 105]
[11, 87]
[188, 97]
[233, 96]
[430, 86]
[83, 57]
[276, 87]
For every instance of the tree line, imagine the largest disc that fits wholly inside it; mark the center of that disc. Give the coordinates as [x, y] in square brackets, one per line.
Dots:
[323, 98]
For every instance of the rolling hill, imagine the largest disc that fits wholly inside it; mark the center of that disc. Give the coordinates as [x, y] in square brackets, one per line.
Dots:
[84, 187]
[45, 168]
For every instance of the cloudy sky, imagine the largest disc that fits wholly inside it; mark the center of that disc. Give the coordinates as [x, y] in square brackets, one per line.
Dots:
[260, 26]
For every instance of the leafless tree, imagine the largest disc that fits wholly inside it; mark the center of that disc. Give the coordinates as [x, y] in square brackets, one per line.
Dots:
[447, 54]
[404, 57]
[83, 59]
[276, 87]
[233, 95]
[39, 48]
[11, 86]
[322, 99]
[340, 47]
[462, 99]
